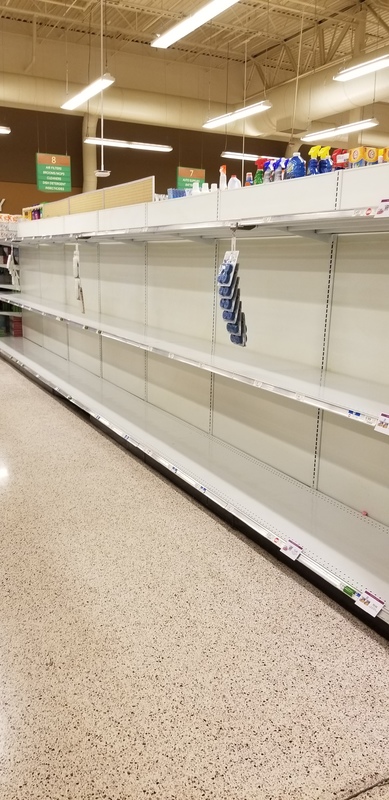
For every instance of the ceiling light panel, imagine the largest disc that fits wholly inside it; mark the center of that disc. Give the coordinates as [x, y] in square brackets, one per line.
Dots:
[196, 20]
[89, 91]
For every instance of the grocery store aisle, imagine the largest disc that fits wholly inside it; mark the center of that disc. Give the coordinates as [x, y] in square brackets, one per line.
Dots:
[146, 650]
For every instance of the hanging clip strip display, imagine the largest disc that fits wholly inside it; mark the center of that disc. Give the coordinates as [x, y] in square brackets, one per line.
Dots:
[229, 294]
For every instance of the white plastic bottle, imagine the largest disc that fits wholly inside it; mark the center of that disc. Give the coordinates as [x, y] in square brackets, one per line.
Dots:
[234, 182]
[223, 177]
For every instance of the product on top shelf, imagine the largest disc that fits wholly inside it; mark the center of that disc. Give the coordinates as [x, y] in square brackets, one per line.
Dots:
[278, 169]
[223, 177]
[234, 182]
[357, 157]
[313, 163]
[268, 171]
[260, 162]
[371, 155]
[340, 159]
[249, 179]
[325, 163]
[295, 167]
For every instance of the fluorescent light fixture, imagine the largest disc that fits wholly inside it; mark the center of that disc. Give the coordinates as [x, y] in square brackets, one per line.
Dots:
[365, 68]
[189, 24]
[160, 148]
[331, 133]
[239, 156]
[240, 113]
[4, 130]
[89, 91]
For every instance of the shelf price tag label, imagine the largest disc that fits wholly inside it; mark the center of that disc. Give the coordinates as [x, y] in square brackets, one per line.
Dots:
[291, 549]
[383, 424]
[370, 603]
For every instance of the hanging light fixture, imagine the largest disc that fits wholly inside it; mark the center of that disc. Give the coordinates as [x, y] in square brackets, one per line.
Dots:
[4, 130]
[331, 133]
[240, 113]
[356, 71]
[102, 172]
[90, 91]
[239, 156]
[160, 148]
[189, 24]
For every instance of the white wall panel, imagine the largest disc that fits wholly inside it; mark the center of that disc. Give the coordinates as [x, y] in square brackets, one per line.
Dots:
[78, 223]
[124, 366]
[180, 288]
[30, 275]
[359, 333]
[121, 218]
[270, 428]
[52, 268]
[296, 196]
[283, 287]
[33, 327]
[84, 349]
[89, 271]
[364, 186]
[354, 466]
[199, 208]
[55, 337]
[122, 281]
[179, 389]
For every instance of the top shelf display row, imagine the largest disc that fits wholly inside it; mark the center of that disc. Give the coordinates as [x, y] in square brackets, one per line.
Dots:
[338, 202]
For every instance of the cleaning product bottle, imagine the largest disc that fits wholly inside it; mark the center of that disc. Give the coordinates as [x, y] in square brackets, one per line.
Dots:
[295, 167]
[268, 171]
[325, 164]
[340, 159]
[234, 182]
[260, 162]
[223, 177]
[278, 169]
[313, 163]
[249, 179]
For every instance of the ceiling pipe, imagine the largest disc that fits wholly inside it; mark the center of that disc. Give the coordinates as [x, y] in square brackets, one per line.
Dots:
[32, 62]
[89, 154]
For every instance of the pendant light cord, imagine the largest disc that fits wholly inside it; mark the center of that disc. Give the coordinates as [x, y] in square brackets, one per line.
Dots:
[101, 75]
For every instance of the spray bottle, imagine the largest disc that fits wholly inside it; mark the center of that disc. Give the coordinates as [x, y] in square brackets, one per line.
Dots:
[278, 169]
[223, 177]
[268, 171]
[325, 164]
[260, 162]
[313, 163]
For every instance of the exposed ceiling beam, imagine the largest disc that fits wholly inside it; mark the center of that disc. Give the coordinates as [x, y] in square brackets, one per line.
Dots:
[337, 42]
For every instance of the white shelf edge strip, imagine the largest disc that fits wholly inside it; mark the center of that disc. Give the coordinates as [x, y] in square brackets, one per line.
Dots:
[292, 224]
[349, 410]
[44, 375]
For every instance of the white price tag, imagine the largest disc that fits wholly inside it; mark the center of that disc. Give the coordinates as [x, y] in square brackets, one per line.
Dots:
[292, 549]
[383, 424]
[370, 603]
[383, 209]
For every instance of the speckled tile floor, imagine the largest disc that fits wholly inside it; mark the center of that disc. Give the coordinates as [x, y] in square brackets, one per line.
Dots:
[147, 651]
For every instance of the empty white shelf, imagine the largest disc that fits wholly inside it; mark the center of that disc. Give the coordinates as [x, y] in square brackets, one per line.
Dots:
[356, 398]
[269, 501]
[323, 224]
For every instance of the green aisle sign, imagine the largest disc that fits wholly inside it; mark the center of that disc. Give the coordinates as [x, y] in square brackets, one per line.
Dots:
[187, 176]
[53, 173]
